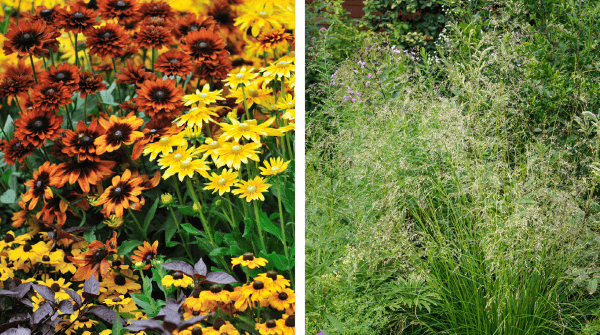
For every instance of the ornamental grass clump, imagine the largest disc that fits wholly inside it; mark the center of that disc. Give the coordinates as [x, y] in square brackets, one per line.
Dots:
[139, 137]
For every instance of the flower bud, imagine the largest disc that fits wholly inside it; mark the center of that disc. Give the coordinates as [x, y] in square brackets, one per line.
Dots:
[166, 199]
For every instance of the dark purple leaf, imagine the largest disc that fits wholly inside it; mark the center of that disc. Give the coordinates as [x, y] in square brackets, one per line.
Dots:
[200, 268]
[10, 284]
[91, 287]
[146, 325]
[170, 312]
[46, 292]
[77, 229]
[23, 289]
[26, 301]
[187, 323]
[48, 329]
[42, 312]
[74, 295]
[180, 266]
[22, 317]
[220, 278]
[104, 313]
[66, 306]
[7, 293]
[17, 331]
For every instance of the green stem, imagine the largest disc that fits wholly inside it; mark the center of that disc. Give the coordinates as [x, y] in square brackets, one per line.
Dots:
[33, 68]
[18, 104]
[245, 103]
[153, 57]
[138, 226]
[183, 240]
[208, 130]
[260, 234]
[231, 211]
[285, 249]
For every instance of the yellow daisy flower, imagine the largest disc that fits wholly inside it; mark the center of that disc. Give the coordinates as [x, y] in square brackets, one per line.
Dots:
[243, 76]
[187, 167]
[252, 189]
[117, 301]
[288, 104]
[258, 20]
[205, 96]
[282, 300]
[197, 116]
[274, 167]
[249, 260]
[177, 279]
[234, 153]
[222, 182]
[253, 92]
[209, 148]
[248, 129]
[278, 70]
[269, 328]
[164, 145]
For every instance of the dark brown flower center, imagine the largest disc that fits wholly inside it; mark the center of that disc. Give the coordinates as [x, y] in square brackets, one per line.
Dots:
[218, 324]
[290, 321]
[118, 190]
[121, 4]
[196, 313]
[106, 34]
[203, 46]
[86, 139]
[100, 255]
[117, 299]
[149, 257]
[38, 124]
[8, 238]
[178, 275]
[78, 15]
[258, 285]
[46, 258]
[120, 280]
[216, 289]
[228, 288]
[66, 259]
[55, 287]
[116, 264]
[193, 28]
[50, 91]
[174, 60]
[271, 324]
[61, 76]
[283, 296]
[153, 131]
[45, 12]
[83, 319]
[159, 94]
[27, 36]
[248, 256]
[17, 145]
[272, 274]
[39, 184]
[118, 133]
[196, 331]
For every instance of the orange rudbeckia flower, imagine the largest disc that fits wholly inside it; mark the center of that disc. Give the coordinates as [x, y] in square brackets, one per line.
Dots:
[122, 194]
[118, 131]
[94, 261]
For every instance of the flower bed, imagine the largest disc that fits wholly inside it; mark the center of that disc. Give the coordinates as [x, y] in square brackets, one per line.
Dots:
[147, 171]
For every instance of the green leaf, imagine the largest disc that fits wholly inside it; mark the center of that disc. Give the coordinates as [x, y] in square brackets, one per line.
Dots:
[267, 225]
[190, 229]
[170, 228]
[9, 197]
[13, 181]
[143, 302]
[150, 214]
[220, 252]
[126, 247]
[204, 244]
[117, 326]
[9, 127]
[249, 228]
[6, 175]
[187, 210]
[279, 261]
[89, 236]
